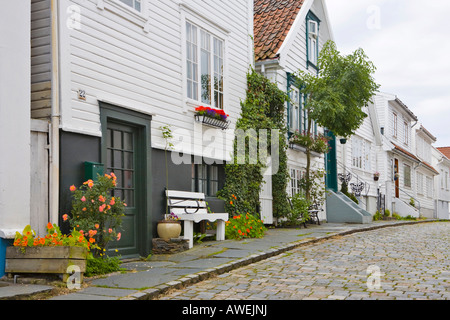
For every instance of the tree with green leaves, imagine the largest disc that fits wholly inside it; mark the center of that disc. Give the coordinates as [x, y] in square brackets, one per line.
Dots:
[336, 95]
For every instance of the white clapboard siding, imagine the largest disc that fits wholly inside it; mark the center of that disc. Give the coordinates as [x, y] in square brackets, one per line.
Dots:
[39, 176]
[113, 59]
[41, 102]
[40, 41]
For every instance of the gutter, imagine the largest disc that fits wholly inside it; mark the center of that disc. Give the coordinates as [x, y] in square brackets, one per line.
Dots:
[55, 118]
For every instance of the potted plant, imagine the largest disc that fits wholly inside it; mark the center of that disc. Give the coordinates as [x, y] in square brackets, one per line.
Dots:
[376, 176]
[170, 227]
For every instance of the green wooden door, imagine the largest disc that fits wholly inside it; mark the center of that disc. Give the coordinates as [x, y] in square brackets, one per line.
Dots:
[123, 158]
[331, 178]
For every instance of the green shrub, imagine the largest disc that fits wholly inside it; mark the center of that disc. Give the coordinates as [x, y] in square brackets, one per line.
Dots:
[244, 226]
[300, 211]
[102, 265]
[377, 216]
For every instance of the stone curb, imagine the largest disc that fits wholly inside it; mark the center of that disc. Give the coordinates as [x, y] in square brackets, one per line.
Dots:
[154, 293]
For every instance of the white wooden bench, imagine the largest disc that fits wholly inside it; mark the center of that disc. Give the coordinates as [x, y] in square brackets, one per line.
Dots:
[191, 207]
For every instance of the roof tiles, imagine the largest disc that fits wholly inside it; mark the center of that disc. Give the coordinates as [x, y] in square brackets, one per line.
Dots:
[272, 21]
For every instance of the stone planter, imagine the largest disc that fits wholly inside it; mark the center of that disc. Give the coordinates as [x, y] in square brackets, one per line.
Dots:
[45, 260]
[168, 229]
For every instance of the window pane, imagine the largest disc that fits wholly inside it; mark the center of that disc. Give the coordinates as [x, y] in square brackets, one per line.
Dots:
[205, 61]
[128, 179]
[128, 160]
[137, 5]
[117, 140]
[117, 159]
[128, 2]
[218, 73]
[127, 141]
[129, 198]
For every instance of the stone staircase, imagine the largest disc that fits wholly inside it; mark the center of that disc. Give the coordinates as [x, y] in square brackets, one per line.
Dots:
[341, 209]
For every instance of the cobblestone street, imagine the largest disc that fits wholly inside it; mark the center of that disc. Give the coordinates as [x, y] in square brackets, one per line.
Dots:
[406, 263]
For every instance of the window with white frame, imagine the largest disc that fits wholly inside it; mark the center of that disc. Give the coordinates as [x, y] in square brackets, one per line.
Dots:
[407, 175]
[361, 153]
[135, 4]
[442, 179]
[295, 110]
[420, 183]
[312, 38]
[430, 190]
[394, 125]
[446, 180]
[295, 185]
[205, 66]
[405, 133]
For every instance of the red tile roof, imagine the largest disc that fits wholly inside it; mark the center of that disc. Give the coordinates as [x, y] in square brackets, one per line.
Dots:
[445, 151]
[272, 21]
[409, 154]
[430, 167]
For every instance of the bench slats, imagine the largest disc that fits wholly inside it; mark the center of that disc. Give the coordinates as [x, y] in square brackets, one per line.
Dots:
[174, 203]
[180, 211]
[185, 195]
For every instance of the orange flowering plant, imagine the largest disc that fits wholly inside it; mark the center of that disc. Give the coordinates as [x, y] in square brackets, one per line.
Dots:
[54, 238]
[95, 212]
[242, 226]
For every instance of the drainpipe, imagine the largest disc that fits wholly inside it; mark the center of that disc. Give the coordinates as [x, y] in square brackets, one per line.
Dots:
[55, 118]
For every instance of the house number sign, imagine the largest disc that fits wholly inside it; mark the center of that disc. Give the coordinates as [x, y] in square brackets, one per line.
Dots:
[82, 95]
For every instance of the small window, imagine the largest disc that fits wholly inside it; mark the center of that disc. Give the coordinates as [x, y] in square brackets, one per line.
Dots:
[296, 182]
[394, 125]
[430, 190]
[135, 4]
[420, 183]
[312, 39]
[295, 110]
[205, 179]
[446, 180]
[313, 29]
[406, 133]
[407, 176]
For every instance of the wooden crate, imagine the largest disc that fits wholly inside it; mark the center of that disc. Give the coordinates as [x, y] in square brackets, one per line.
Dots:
[45, 260]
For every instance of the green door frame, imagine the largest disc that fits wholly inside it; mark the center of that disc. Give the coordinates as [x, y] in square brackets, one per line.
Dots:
[331, 179]
[142, 122]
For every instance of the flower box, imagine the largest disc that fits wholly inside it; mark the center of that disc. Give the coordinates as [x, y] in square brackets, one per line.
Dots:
[298, 147]
[46, 260]
[216, 118]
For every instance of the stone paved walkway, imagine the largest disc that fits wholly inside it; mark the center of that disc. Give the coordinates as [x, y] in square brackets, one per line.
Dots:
[407, 262]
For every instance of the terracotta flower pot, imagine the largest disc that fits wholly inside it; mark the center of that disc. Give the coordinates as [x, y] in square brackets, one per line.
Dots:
[168, 229]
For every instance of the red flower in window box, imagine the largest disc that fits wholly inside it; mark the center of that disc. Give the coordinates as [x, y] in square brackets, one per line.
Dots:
[218, 114]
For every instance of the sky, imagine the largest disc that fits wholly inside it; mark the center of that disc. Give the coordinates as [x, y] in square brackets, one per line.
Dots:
[409, 43]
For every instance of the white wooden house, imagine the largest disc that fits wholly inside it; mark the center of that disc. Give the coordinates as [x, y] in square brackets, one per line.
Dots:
[15, 122]
[358, 161]
[107, 74]
[441, 162]
[288, 37]
[393, 143]
[426, 175]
